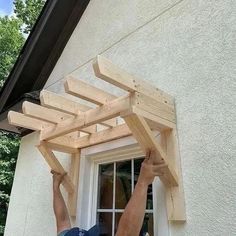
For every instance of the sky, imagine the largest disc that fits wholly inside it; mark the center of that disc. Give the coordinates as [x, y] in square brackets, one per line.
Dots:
[6, 7]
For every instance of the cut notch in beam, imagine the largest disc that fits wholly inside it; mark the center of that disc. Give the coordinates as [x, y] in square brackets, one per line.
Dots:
[97, 115]
[63, 104]
[87, 92]
[106, 70]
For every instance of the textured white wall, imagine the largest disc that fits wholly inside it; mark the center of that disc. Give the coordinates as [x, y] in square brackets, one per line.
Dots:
[30, 210]
[188, 49]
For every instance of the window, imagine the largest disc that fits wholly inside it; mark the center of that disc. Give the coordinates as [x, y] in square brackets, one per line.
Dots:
[116, 182]
[108, 174]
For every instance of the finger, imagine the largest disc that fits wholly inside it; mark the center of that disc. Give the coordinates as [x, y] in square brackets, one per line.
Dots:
[53, 172]
[148, 153]
[158, 173]
[159, 167]
[64, 174]
[151, 157]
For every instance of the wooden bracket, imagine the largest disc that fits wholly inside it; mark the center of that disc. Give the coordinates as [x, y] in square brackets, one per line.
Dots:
[62, 121]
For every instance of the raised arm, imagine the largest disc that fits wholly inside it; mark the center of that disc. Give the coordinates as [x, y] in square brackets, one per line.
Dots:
[132, 219]
[59, 206]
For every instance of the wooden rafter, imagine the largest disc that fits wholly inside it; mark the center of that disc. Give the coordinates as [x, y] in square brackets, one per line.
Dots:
[145, 108]
[60, 103]
[87, 92]
[97, 115]
[51, 116]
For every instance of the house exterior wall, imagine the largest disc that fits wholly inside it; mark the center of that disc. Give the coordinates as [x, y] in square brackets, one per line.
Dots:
[186, 48]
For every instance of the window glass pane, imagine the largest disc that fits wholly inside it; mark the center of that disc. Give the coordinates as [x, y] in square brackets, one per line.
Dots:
[137, 166]
[104, 220]
[105, 186]
[147, 224]
[117, 219]
[123, 184]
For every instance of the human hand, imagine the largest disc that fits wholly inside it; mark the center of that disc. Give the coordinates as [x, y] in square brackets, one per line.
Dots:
[149, 170]
[57, 178]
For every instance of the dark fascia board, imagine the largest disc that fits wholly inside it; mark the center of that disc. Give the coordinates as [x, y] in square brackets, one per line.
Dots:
[42, 49]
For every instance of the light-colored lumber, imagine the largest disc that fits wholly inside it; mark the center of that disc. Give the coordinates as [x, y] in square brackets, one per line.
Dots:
[119, 131]
[65, 144]
[60, 103]
[106, 70]
[63, 104]
[162, 110]
[43, 113]
[74, 175]
[97, 115]
[143, 134]
[154, 121]
[20, 120]
[55, 165]
[49, 115]
[87, 92]
[175, 200]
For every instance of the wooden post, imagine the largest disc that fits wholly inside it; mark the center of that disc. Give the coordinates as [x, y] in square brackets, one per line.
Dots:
[74, 175]
[175, 200]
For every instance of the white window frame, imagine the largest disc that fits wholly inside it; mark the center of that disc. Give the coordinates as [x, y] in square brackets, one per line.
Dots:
[117, 150]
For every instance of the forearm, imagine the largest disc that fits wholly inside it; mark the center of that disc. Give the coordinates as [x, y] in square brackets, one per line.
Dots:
[132, 219]
[59, 207]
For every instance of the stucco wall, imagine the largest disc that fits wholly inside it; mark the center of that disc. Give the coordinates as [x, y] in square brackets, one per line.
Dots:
[186, 48]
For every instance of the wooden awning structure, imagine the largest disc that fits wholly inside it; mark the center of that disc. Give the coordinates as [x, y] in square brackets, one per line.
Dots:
[67, 126]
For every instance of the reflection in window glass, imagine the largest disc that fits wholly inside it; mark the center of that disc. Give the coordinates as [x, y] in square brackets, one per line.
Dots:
[123, 184]
[104, 220]
[148, 225]
[105, 186]
[115, 185]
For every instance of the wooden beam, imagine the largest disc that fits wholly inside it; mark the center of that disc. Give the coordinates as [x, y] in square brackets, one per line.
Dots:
[151, 105]
[97, 115]
[106, 70]
[175, 200]
[74, 175]
[119, 131]
[154, 121]
[63, 144]
[49, 115]
[43, 113]
[147, 141]
[61, 103]
[55, 165]
[87, 92]
[20, 120]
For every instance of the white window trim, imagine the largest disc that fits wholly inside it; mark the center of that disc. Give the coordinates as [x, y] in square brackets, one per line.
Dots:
[117, 150]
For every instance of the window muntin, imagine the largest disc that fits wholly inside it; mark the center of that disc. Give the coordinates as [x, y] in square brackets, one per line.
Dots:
[116, 182]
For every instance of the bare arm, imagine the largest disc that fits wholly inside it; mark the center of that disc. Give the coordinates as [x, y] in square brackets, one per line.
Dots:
[59, 206]
[132, 219]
